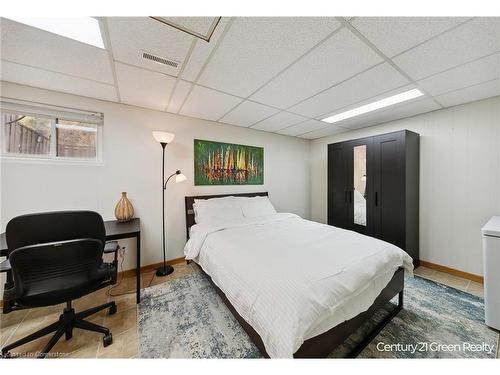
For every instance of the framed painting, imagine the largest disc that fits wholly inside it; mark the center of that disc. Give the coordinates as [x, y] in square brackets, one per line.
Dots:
[217, 163]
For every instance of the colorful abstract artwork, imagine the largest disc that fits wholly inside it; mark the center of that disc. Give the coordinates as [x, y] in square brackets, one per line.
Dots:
[218, 163]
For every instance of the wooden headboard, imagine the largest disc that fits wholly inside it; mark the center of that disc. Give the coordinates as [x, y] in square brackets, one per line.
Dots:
[190, 200]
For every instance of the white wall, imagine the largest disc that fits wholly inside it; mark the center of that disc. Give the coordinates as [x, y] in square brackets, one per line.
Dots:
[459, 174]
[132, 163]
[459, 178]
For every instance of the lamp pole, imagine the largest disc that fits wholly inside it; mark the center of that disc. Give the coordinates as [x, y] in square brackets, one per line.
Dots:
[165, 269]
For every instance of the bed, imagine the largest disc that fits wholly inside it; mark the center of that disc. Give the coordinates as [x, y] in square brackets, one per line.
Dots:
[298, 288]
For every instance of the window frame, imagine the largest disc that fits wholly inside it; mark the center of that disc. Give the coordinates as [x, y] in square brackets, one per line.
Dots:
[52, 157]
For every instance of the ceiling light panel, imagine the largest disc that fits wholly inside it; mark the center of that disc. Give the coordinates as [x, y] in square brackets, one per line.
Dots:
[131, 36]
[31, 76]
[470, 94]
[482, 70]
[402, 110]
[82, 29]
[342, 56]
[248, 113]
[393, 35]
[382, 103]
[208, 104]
[368, 84]
[19, 43]
[143, 88]
[279, 121]
[256, 48]
[467, 42]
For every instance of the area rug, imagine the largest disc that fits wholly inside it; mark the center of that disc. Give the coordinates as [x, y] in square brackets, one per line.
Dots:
[185, 318]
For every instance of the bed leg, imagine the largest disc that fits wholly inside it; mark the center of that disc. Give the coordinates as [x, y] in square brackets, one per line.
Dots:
[400, 300]
[188, 261]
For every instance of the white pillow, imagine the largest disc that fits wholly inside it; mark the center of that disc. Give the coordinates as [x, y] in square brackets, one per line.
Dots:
[216, 211]
[257, 206]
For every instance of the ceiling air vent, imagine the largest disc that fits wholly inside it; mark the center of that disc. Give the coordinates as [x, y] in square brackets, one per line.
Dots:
[160, 60]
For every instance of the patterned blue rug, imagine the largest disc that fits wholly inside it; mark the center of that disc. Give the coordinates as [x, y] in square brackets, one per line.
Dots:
[185, 318]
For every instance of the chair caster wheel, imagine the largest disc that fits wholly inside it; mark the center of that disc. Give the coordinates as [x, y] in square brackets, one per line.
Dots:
[112, 310]
[5, 355]
[107, 340]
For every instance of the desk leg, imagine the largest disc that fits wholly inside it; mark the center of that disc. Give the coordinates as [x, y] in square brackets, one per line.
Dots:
[138, 269]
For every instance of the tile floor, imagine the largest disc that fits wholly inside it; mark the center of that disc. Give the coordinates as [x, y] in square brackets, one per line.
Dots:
[451, 280]
[85, 344]
[123, 324]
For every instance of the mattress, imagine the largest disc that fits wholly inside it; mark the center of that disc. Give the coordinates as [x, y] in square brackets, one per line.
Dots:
[292, 279]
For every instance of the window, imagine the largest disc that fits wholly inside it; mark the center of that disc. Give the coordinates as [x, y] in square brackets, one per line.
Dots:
[48, 134]
[76, 139]
[25, 134]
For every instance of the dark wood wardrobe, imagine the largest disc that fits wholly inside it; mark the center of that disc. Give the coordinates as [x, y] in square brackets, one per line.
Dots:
[373, 187]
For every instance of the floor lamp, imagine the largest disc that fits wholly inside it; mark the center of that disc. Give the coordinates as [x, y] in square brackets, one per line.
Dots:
[164, 139]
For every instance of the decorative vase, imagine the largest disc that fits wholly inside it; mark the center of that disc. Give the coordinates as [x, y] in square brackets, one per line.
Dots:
[124, 211]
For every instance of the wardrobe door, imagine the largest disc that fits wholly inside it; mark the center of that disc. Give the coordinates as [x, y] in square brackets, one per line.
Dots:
[388, 193]
[359, 177]
[337, 185]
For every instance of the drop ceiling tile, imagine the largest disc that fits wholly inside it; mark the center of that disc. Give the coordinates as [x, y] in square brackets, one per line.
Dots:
[29, 76]
[143, 88]
[200, 25]
[248, 113]
[340, 57]
[201, 51]
[395, 112]
[131, 35]
[375, 81]
[208, 104]
[482, 70]
[393, 35]
[41, 49]
[470, 94]
[303, 127]
[329, 130]
[467, 42]
[256, 49]
[180, 93]
[279, 121]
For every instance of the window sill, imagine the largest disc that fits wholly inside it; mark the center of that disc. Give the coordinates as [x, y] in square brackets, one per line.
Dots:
[49, 161]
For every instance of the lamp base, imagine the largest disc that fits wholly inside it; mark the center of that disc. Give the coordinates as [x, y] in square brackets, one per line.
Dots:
[164, 270]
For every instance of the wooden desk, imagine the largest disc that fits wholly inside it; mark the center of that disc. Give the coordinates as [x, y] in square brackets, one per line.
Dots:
[114, 231]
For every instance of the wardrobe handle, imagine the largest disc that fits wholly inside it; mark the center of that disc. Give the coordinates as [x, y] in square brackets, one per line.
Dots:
[376, 198]
[345, 196]
[350, 196]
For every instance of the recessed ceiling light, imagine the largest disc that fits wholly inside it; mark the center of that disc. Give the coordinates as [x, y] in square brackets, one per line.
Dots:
[386, 102]
[83, 29]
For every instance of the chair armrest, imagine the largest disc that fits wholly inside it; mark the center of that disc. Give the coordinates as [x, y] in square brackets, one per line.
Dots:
[5, 266]
[111, 247]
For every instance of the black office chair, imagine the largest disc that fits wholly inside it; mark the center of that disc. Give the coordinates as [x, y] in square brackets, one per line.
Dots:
[56, 257]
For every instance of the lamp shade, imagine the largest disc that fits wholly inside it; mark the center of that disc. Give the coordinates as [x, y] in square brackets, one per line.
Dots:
[163, 137]
[180, 178]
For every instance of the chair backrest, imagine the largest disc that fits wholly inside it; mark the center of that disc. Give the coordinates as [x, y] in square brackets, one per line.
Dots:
[56, 265]
[33, 229]
[54, 250]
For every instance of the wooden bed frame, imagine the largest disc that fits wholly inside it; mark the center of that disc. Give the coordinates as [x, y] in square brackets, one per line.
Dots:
[322, 345]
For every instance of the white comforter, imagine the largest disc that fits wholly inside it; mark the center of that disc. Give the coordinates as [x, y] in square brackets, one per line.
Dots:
[292, 279]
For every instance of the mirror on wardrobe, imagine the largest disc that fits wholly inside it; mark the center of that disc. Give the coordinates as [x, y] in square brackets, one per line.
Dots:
[360, 185]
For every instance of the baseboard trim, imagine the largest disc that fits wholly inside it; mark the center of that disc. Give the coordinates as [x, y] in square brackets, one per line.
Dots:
[144, 269]
[452, 271]
[150, 267]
